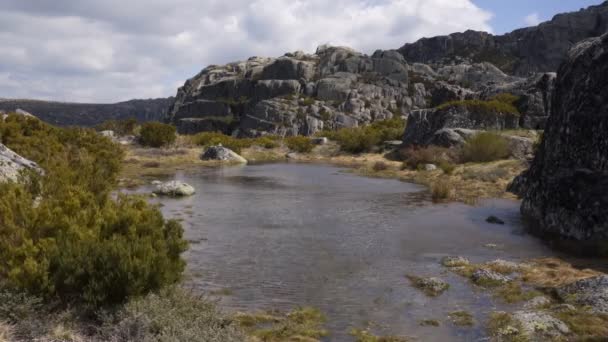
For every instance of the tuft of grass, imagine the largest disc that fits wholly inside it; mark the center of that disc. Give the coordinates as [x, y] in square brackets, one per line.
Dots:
[586, 325]
[485, 147]
[366, 336]
[415, 156]
[380, 166]
[303, 324]
[430, 323]
[441, 190]
[6, 332]
[483, 107]
[462, 318]
[366, 138]
[432, 287]
[447, 167]
[513, 292]
[299, 144]
[503, 327]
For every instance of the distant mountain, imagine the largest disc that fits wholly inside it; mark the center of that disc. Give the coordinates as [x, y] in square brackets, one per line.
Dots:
[529, 50]
[90, 114]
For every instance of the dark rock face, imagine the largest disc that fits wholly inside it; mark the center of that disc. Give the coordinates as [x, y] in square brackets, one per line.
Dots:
[530, 50]
[565, 191]
[90, 114]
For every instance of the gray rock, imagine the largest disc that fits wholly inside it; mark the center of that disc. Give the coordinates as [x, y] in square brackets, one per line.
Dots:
[431, 286]
[107, 134]
[540, 326]
[565, 191]
[430, 167]
[520, 148]
[174, 188]
[319, 140]
[591, 292]
[12, 164]
[494, 220]
[222, 154]
[537, 302]
[484, 277]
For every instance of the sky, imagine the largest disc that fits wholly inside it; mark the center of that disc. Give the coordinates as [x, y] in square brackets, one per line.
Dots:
[114, 50]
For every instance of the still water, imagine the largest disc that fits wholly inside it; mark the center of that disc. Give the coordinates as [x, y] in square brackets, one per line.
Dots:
[279, 236]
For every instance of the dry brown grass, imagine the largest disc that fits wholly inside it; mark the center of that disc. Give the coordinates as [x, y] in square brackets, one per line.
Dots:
[6, 332]
[553, 272]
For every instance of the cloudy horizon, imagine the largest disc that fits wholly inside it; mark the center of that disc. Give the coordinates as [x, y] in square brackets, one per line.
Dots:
[110, 51]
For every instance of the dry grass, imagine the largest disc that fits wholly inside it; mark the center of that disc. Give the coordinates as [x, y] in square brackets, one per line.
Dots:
[6, 332]
[552, 272]
[366, 336]
[304, 325]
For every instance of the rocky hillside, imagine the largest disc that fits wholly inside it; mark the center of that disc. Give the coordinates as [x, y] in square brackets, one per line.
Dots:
[565, 192]
[535, 49]
[90, 114]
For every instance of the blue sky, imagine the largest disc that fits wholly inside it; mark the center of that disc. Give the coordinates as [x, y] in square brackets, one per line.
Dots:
[511, 14]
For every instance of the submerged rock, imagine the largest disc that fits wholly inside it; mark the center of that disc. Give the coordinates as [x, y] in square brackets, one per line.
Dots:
[457, 261]
[175, 189]
[430, 286]
[223, 154]
[494, 220]
[484, 277]
[590, 292]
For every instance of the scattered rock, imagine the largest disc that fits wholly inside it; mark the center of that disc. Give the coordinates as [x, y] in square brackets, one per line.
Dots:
[392, 144]
[432, 286]
[319, 140]
[504, 266]
[540, 326]
[462, 318]
[175, 189]
[537, 302]
[223, 154]
[491, 245]
[430, 167]
[494, 220]
[484, 277]
[11, 164]
[590, 292]
[457, 261]
[108, 134]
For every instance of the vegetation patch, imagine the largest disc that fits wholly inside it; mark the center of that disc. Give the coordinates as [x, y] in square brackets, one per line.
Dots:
[588, 326]
[441, 191]
[462, 318]
[503, 327]
[303, 324]
[299, 144]
[366, 336]
[485, 147]
[415, 156]
[430, 323]
[366, 138]
[502, 103]
[156, 134]
[514, 292]
[119, 127]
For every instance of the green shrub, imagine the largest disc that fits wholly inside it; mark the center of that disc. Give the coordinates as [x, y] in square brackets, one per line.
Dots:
[366, 138]
[156, 134]
[266, 142]
[447, 167]
[414, 156]
[120, 127]
[63, 235]
[485, 147]
[483, 107]
[299, 144]
[171, 315]
[207, 139]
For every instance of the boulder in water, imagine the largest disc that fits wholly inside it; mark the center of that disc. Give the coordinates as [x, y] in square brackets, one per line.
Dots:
[175, 189]
[222, 153]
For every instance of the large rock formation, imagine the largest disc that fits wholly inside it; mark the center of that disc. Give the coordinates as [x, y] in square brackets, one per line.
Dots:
[89, 114]
[296, 94]
[565, 191]
[11, 164]
[535, 49]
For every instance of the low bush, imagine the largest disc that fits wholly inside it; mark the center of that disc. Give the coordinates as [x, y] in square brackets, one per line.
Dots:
[120, 127]
[366, 138]
[64, 235]
[440, 190]
[485, 147]
[207, 139]
[299, 144]
[156, 134]
[414, 156]
[380, 166]
[495, 105]
[447, 167]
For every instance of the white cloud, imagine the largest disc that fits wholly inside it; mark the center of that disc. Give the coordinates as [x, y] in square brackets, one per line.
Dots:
[111, 50]
[532, 19]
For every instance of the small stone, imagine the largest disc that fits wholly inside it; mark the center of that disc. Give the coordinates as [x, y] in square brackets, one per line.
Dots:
[591, 292]
[540, 326]
[494, 220]
[222, 153]
[175, 189]
[319, 140]
[430, 167]
[457, 261]
[537, 302]
[491, 245]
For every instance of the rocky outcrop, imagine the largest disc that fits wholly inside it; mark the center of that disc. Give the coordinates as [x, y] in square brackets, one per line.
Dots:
[451, 125]
[174, 189]
[11, 164]
[90, 114]
[590, 292]
[565, 191]
[222, 154]
[296, 94]
[535, 49]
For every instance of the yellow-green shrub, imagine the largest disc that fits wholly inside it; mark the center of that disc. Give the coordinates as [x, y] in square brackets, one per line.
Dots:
[214, 138]
[485, 147]
[299, 144]
[364, 139]
[63, 234]
[120, 127]
[156, 134]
